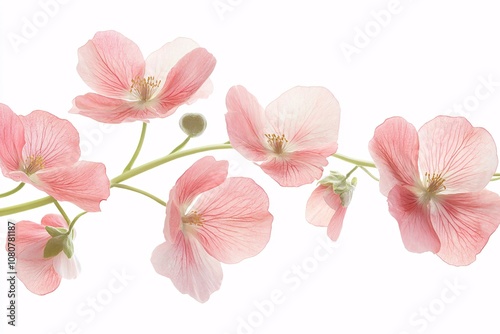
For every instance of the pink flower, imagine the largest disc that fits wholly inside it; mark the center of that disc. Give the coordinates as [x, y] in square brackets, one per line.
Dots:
[434, 180]
[328, 203]
[43, 150]
[291, 138]
[210, 219]
[42, 275]
[130, 88]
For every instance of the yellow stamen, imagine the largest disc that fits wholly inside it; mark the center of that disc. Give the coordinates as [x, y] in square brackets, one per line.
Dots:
[193, 218]
[144, 88]
[435, 183]
[33, 164]
[277, 143]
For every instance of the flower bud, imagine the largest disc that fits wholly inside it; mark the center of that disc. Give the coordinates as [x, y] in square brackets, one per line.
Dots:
[193, 124]
[340, 186]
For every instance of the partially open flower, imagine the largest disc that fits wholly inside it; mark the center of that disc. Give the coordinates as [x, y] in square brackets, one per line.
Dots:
[328, 203]
[40, 269]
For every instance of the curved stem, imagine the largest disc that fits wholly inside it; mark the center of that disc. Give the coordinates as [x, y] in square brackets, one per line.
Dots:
[350, 172]
[124, 176]
[13, 191]
[73, 222]
[138, 149]
[181, 145]
[370, 174]
[26, 206]
[158, 162]
[61, 210]
[354, 161]
[139, 191]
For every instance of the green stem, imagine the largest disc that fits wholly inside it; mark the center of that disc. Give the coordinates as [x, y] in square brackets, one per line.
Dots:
[138, 149]
[13, 191]
[26, 206]
[354, 161]
[140, 191]
[61, 210]
[350, 172]
[120, 178]
[370, 174]
[165, 159]
[181, 145]
[73, 222]
[495, 179]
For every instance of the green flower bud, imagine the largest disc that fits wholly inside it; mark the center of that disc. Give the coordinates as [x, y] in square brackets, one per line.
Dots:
[340, 186]
[193, 124]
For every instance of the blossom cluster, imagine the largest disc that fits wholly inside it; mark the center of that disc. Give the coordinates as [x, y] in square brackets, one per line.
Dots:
[434, 178]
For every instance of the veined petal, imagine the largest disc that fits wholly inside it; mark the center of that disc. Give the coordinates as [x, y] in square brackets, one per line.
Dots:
[173, 218]
[55, 141]
[39, 276]
[394, 148]
[245, 124]
[109, 110]
[203, 175]
[295, 169]
[188, 265]
[109, 62]
[335, 225]
[318, 212]
[11, 140]
[160, 62]
[236, 220]
[465, 156]
[414, 221]
[31, 239]
[84, 184]
[309, 117]
[184, 79]
[464, 223]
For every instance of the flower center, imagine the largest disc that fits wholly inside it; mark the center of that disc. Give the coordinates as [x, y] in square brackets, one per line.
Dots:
[33, 164]
[277, 143]
[192, 218]
[144, 88]
[435, 183]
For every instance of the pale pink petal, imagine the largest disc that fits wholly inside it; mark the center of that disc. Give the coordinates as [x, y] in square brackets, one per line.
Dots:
[53, 139]
[465, 156]
[335, 225]
[296, 169]
[11, 140]
[31, 239]
[236, 220]
[318, 212]
[160, 62]
[414, 221]
[394, 148]
[188, 265]
[184, 79]
[39, 276]
[309, 117]
[109, 110]
[84, 184]
[204, 92]
[203, 175]
[66, 268]
[109, 62]
[173, 218]
[245, 124]
[464, 223]
[54, 220]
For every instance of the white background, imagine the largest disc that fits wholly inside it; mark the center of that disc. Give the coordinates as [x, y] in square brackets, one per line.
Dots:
[429, 57]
